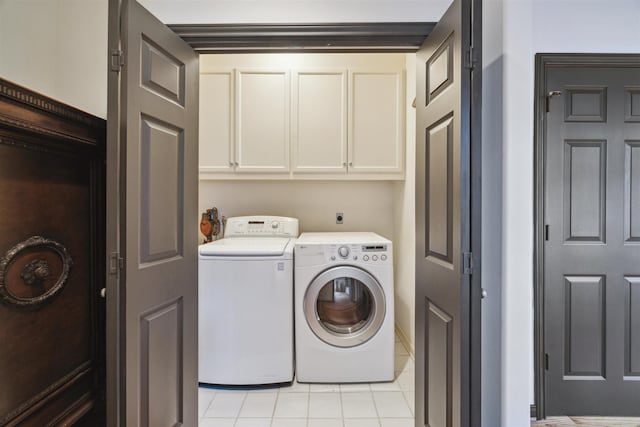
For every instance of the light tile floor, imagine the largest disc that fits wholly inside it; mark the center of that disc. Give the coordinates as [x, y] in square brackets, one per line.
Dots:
[316, 405]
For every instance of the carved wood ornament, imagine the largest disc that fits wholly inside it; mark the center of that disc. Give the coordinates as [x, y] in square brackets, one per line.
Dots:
[33, 271]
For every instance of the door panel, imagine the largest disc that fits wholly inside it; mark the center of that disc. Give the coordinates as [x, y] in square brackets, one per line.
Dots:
[632, 323]
[591, 255]
[632, 192]
[262, 120]
[376, 121]
[447, 157]
[158, 167]
[319, 121]
[585, 179]
[584, 326]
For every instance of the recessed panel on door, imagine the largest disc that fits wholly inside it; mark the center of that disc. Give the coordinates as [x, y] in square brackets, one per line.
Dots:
[161, 366]
[632, 104]
[438, 354]
[161, 163]
[584, 328]
[585, 163]
[586, 104]
[439, 186]
[632, 328]
[632, 192]
[161, 72]
[440, 70]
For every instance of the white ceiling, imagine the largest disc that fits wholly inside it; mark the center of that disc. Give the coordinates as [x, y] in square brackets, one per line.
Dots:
[294, 11]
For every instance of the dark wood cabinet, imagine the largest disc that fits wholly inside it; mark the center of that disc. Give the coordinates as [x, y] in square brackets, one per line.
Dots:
[52, 227]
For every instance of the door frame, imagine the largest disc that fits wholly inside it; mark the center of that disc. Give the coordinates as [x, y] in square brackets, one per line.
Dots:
[403, 37]
[543, 63]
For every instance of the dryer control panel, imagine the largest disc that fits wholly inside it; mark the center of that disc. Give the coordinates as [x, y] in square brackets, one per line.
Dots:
[377, 254]
[345, 248]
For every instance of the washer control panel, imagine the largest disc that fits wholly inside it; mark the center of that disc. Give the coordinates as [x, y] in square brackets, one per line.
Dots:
[268, 226]
[375, 254]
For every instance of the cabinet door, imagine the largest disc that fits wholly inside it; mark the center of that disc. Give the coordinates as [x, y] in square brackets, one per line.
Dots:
[216, 122]
[376, 121]
[319, 121]
[262, 120]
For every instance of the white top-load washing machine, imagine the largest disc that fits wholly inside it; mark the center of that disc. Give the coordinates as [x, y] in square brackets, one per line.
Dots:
[344, 308]
[245, 285]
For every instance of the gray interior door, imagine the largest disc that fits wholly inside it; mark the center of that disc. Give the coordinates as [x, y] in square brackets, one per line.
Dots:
[153, 152]
[592, 248]
[448, 221]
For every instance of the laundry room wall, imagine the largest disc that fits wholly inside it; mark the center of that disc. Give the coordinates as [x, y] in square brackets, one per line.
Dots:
[404, 213]
[367, 206]
[57, 48]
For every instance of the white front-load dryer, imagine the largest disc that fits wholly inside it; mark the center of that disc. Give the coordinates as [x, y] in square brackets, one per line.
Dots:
[344, 317]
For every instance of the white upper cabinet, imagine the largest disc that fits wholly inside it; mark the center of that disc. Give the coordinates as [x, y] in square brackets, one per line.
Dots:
[303, 116]
[216, 140]
[262, 120]
[376, 121]
[319, 122]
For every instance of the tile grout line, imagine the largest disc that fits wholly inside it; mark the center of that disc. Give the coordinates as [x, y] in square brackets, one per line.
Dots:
[273, 411]
[341, 405]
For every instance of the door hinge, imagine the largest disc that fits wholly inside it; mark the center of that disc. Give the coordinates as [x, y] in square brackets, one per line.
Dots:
[470, 59]
[546, 361]
[467, 263]
[550, 95]
[116, 60]
[116, 263]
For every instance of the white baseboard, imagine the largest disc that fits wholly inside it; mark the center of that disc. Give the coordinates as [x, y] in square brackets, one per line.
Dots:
[405, 341]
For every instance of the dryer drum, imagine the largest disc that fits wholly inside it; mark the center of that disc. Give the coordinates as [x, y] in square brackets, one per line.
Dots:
[344, 306]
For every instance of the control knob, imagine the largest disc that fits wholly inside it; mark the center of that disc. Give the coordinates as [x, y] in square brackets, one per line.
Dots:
[275, 224]
[343, 251]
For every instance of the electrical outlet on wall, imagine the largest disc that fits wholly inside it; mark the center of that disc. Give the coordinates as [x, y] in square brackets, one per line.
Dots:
[339, 217]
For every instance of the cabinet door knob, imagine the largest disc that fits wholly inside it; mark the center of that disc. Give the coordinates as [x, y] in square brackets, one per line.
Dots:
[237, 164]
[231, 164]
[350, 163]
[344, 164]
[103, 292]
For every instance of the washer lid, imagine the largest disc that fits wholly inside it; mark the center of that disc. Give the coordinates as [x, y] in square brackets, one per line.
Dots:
[249, 246]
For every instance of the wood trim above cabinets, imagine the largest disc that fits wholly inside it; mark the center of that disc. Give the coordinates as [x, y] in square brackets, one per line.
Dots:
[286, 38]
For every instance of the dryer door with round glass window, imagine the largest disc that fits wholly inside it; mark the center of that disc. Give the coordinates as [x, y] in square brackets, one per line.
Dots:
[344, 306]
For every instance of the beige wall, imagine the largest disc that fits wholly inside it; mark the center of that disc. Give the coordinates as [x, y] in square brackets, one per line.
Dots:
[57, 48]
[367, 206]
[404, 221]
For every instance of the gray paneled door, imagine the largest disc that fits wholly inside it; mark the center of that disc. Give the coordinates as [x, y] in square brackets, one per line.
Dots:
[448, 221]
[157, 167]
[592, 248]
